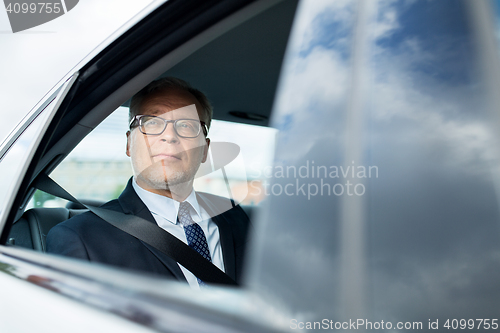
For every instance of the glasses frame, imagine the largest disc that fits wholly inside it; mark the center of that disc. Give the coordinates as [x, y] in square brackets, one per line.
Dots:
[136, 119]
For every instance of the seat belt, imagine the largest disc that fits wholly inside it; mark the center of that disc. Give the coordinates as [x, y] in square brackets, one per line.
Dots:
[147, 232]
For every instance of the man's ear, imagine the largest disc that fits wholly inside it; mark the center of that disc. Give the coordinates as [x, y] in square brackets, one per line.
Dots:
[205, 150]
[128, 144]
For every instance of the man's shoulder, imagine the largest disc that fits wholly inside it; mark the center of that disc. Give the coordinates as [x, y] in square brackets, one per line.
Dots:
[88, 219]
[217, 205]
[213, 198]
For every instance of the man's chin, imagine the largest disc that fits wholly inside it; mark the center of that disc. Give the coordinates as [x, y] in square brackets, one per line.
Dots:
[160, 181]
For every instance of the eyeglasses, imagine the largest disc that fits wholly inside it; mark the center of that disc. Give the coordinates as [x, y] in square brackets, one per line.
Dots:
[152, 125]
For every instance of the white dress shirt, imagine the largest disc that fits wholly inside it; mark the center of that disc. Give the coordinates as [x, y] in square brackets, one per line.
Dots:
[165, 209]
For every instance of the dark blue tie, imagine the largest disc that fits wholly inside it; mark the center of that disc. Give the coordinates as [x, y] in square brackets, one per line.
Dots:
[195, 236]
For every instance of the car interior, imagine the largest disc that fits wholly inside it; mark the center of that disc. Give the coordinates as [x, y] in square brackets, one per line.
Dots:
[236, 63]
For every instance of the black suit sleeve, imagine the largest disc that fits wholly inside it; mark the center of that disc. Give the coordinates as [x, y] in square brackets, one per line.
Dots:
[65, 241]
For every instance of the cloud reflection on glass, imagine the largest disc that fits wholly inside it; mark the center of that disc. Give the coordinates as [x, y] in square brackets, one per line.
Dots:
[432, 214]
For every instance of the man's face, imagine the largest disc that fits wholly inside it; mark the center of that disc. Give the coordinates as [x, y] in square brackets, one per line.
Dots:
[163, 161]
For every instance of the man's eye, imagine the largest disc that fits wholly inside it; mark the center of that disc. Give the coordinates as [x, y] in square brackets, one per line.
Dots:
[185, 124]
[152, 122]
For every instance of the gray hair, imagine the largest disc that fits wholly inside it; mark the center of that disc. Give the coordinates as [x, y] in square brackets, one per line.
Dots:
[171, 83]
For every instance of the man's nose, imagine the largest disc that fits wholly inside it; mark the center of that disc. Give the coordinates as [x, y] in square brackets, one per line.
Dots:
[169, 134]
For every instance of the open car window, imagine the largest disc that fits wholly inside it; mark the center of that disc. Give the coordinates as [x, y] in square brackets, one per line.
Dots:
[98, 169]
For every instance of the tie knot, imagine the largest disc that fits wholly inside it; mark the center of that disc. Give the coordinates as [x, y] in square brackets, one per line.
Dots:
[184, 215]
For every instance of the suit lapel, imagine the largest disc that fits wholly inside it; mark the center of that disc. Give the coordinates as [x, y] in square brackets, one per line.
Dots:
[225, 235]
[132, 204]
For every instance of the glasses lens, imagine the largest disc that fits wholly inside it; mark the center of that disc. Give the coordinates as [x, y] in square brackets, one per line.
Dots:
[188, 128]
[151, 125]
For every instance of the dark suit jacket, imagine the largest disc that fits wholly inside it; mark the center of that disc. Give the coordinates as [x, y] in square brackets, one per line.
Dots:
[88, 237]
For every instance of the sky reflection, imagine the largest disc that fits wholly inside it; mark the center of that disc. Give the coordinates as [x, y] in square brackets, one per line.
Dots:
[432, 215]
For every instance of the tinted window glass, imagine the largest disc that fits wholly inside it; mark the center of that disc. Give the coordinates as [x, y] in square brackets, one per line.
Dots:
[392, 125]
[433, 213]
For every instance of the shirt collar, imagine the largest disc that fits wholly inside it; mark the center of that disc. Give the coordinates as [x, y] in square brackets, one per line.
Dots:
[167, 207]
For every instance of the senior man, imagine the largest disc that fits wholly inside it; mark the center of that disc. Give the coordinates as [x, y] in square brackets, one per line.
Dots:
[167, 142]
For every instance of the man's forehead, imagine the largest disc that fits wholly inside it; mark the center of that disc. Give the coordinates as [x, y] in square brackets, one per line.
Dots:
[189, 111]
[168, 100]
[171, 96]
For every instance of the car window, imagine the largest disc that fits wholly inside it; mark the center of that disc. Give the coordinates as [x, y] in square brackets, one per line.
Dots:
[391, 112]
[245, 173]
[98, 168]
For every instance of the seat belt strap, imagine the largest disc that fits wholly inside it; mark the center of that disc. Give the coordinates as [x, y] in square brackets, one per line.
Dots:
[147, 232]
